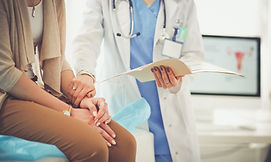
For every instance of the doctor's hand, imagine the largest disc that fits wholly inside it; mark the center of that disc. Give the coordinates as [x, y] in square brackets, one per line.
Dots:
[80, 87]
[165, 77]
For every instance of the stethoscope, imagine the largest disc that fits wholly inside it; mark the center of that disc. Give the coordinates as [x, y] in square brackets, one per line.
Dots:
[131, 34]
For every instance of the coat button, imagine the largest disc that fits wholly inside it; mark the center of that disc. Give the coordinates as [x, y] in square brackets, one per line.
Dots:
[165, 98]
[170, 125]
[176, 153]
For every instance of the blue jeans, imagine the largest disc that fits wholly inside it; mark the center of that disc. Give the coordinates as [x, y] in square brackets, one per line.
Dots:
[163, 158]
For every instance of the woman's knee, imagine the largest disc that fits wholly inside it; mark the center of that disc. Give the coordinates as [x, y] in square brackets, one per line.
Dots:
[87, 147]
[94, 151]
[125, 150]
[129, 142]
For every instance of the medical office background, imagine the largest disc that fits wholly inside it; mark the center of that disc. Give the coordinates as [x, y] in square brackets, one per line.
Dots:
[231, 128]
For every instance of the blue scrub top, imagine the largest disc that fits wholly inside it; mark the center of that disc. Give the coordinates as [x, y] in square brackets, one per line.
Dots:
[141, 53]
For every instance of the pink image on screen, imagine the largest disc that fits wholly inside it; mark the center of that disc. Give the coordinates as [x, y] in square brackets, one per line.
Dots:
[239, 56]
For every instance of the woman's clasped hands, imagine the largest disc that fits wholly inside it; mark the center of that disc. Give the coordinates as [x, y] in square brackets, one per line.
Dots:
[94, 112]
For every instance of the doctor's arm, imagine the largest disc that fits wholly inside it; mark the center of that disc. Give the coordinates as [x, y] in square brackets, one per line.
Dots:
[85, 51]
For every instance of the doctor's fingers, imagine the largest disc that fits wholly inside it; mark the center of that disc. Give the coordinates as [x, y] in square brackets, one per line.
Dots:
[91, 93]
[165, 77]
[81, 95]
[87, 90]
[90, 89]
[159, 76]
[179, 79]
[71, 90]
[84, 91]
[156, 78]
[171, 76]
[76, 93]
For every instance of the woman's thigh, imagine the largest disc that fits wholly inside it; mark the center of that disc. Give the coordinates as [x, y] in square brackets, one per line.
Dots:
[35, 122]
[79, 141]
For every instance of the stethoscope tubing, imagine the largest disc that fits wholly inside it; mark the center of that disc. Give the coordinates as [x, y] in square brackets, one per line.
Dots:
[131, 33]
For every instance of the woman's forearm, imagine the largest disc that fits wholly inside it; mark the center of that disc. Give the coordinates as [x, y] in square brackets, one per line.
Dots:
[66, 77]
[26, 89]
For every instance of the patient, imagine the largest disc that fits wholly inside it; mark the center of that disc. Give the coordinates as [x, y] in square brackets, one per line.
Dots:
[35, 77]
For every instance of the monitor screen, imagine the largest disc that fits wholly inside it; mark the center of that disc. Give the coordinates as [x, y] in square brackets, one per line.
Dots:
[239, 54]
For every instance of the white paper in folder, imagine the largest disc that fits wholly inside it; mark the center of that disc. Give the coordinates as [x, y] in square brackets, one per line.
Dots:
[180, 68]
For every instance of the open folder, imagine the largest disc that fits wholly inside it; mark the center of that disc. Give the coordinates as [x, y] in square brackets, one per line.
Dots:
[180, 68]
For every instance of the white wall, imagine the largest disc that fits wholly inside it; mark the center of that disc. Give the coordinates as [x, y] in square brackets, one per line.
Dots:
[74, 11]
[230, 17]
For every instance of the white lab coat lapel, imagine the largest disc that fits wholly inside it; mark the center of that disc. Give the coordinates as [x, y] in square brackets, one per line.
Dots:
[177, 10]
[123, 15]
[159, 24]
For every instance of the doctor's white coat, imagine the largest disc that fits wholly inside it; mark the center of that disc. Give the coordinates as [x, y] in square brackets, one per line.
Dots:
[99, 26]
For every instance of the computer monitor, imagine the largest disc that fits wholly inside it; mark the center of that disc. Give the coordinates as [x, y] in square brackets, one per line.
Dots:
[239, 54]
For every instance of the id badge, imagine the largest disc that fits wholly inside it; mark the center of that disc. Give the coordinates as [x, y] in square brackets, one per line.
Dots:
[172, 48]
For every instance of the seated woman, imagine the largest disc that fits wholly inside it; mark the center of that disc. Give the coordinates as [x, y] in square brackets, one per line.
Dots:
[34, 75]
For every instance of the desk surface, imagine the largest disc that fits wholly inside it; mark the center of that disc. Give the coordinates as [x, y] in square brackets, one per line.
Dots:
[261, 133]
[235, 126]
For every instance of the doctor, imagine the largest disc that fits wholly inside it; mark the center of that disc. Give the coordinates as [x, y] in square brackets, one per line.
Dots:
[133, 33]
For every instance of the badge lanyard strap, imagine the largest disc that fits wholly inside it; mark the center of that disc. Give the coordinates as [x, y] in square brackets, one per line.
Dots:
[179, 24]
